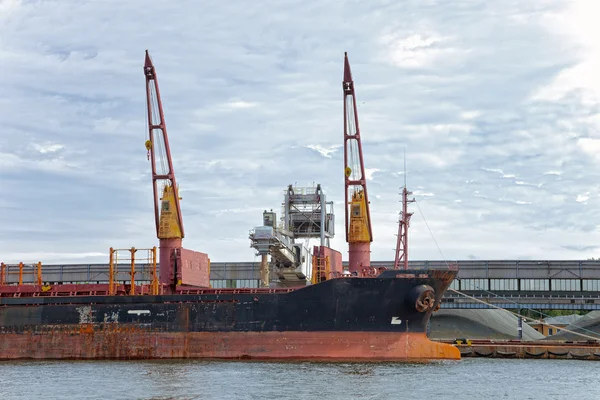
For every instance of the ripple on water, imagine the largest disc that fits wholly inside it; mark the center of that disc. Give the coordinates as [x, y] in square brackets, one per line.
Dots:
[187, 380]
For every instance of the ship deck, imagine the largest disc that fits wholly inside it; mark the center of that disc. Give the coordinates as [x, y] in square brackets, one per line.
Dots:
[72, 290]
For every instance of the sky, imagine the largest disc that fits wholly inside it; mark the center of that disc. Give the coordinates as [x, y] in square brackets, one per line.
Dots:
[496, 105]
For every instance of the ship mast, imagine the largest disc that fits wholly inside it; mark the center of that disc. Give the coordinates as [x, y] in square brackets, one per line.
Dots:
[359, 234]
[403, 224]
[168, 219]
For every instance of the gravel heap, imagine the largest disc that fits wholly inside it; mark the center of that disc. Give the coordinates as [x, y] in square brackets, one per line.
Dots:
[478, 324]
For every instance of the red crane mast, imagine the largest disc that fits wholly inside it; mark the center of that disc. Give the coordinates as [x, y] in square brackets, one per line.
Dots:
[359, 233]
[168, 219]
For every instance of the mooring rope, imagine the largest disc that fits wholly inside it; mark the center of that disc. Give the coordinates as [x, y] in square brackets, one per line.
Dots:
[502, 297]
[528, 318]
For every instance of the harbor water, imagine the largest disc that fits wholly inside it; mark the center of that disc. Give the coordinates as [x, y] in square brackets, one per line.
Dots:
[178, 380]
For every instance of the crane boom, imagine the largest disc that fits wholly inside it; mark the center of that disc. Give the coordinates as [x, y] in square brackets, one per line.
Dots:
[359, 233]
[168, 219]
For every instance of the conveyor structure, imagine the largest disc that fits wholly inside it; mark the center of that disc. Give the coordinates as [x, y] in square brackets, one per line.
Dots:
[306, 215]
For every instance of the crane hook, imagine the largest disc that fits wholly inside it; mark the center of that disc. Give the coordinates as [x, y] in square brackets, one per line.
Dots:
[148, 147]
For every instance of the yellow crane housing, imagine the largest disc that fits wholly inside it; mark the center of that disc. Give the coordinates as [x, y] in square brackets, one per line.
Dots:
[168, 227]
[359, 225]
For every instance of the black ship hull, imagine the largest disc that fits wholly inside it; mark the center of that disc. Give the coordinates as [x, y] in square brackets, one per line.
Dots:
[344, 318]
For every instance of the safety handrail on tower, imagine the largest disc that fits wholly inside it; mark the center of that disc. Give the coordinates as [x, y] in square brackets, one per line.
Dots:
[321, 268]
[148, 261]
[359, 233]
[22, 269]
[169, 221]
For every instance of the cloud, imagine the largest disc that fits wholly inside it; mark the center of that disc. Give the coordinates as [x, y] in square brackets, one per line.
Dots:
[48, 147]
[369, 172]
[241, 104]
[502, 156]
[590, 146]
[423, 194]
[412, 51]
[578, 23]
[324, 151]
[499, 171]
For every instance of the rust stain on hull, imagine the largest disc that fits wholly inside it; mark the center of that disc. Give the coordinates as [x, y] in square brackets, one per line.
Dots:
[135, 343]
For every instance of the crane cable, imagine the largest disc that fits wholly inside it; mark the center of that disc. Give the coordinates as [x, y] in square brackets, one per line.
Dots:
[159, 141]
[147, 141]
[502, 297]
[353, 158]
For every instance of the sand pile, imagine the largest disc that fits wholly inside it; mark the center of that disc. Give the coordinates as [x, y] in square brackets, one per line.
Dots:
[478, 324]
[589, 325]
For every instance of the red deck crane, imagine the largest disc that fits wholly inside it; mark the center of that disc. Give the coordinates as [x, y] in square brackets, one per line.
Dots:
[168, 219]
[359, 234]
[179, 267]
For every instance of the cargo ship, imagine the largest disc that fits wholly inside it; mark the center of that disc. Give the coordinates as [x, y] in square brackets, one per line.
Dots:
[324, 312]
